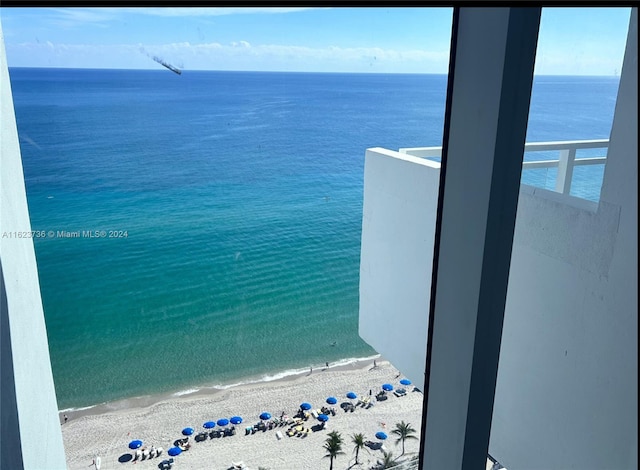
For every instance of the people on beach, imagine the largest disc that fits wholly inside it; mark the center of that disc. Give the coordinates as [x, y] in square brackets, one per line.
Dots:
[327, 364]
[326, 385]
[66, 418]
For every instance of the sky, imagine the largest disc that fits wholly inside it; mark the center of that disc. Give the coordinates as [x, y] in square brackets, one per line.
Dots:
[572, 41]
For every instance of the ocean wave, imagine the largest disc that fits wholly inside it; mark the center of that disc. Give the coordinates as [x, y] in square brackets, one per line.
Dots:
[147, 400]
[292, 373]
[186, 392]
[81, 408]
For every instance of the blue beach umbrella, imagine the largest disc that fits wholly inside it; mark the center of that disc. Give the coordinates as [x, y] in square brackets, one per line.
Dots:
[223, 422]
[323, 418]
[332, 400]
[209, 425]
[305, 406]
[380, 435]
[236, 420]
[135, 444]
[265, 415]
[387, 387]
[173, 451]
[352, 396]
[187, 431]
[405, 382]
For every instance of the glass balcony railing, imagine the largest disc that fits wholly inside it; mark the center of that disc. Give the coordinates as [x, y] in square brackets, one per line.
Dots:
[573, 167]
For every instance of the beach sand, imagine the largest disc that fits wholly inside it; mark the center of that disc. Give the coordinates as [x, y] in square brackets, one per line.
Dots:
[107, 433]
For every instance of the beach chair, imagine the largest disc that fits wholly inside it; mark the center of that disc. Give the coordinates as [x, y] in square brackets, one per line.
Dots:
[138, 455]
[279, 435]
[159, 451]
[166, 464]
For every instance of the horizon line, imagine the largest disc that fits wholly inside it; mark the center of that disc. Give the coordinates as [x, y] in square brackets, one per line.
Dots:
[616, 75]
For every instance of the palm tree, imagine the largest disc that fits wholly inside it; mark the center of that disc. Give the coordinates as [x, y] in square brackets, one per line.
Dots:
[334, 436]
[358, 442]
[387, 461]
[404, 431]
[333, 446]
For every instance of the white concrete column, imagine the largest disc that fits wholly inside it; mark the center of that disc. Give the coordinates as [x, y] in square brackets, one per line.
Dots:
[30, 434]
[490, 83]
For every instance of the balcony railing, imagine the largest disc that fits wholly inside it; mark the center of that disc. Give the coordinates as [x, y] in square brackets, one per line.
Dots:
[565, 162]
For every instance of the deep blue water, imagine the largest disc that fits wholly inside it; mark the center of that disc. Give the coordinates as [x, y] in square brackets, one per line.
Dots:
[240, 194]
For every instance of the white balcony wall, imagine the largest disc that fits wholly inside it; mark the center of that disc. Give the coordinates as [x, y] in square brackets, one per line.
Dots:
[398, 226]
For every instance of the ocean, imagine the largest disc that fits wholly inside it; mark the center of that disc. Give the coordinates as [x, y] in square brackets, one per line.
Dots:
[203, 229]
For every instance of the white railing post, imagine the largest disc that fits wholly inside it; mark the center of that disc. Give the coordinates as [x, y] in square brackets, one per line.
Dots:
[565, 170]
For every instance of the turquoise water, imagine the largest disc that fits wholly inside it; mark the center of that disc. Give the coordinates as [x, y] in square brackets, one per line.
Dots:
[236, 199]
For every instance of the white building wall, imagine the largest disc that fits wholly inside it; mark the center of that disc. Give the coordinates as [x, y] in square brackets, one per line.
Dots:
[567, 393]
[398, 227]
[30, 437]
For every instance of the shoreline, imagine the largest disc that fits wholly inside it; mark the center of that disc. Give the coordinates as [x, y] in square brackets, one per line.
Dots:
[107, 433]
[146, 401]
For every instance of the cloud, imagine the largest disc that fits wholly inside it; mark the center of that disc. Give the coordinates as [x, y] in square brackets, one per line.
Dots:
[173, 12]
[239, 55]
[242, 55]
[101, 14]
[70, 17]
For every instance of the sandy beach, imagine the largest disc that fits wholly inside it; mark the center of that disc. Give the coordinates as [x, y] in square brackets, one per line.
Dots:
[107, 433]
